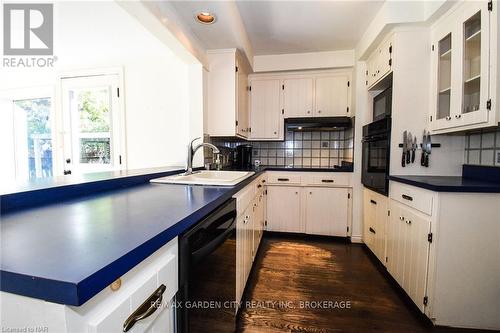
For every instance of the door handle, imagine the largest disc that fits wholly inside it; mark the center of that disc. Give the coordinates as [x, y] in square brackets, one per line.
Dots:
[67, 172]
[327, 180]
[372, 230]
[373, 202]
[146, 309]
[283, 179]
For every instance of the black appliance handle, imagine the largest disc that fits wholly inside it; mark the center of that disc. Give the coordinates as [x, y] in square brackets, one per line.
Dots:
[214, 243]
[373, 138]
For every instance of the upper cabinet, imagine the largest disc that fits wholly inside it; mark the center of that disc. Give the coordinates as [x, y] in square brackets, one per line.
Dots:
[298, 97]
[379, 63]
[332, 96]
[228, 94]
[464, 60]
[266, 119]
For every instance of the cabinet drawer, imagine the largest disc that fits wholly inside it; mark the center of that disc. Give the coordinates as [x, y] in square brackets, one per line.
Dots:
[328, 179]
[412, 196]
[284, 178]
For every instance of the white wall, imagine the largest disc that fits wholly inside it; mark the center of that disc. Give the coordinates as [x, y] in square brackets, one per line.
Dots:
[157, 83]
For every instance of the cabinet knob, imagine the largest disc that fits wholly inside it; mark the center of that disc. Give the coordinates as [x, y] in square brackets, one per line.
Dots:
[448, 117]
[310, 193]
[319, 111]
[296, 192]
[275, 133]
[308, 111]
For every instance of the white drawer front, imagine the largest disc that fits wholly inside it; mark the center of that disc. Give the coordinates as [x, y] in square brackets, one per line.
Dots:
[327, 179]
[412, 196]
[284, 178]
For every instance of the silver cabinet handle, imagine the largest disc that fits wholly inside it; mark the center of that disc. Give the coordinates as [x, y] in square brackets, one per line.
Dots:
[146, 309]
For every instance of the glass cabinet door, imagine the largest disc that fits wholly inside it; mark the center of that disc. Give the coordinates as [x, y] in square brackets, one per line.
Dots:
[474, 64]
[444, 78]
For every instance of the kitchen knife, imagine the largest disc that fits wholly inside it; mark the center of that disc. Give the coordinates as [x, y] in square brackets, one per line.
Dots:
[409, 148]
[424, 148]
[428, 148]
[405, 148]
[414, 149]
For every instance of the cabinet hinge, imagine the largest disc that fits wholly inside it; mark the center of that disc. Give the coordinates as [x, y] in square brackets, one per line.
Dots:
[390, 62]
[265, 223]
[265, 193]
[118, 92]
[386, 259]
[236, 68]
[348, 84]
[390, 49]
[120, 159]
[282, 111]
[431, 118]
[388, 213]
[367, 72]
[348, 195]
[236, 122]
[490, 5]
[432, 47]
[488, 104]
[366, 83]
[249, 88]
[347, 229]
[429, 237]
[347, 109]
[250, 129]
[426, 300]
[282, 87]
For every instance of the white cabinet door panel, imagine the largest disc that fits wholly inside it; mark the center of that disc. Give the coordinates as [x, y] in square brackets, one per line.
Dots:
[332, 96]
[327, 211]
[265, 111]
[283, 209]
[298, 97]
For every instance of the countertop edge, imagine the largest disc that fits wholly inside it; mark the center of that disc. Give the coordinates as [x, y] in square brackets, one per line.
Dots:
[446, 188]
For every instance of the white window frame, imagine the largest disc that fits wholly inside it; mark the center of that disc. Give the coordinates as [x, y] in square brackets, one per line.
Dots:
[118, 120]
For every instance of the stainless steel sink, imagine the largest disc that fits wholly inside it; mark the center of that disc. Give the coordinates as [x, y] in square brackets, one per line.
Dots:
[207, 177]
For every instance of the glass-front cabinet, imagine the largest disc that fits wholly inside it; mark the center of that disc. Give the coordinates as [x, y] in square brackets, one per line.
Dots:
[460, 96]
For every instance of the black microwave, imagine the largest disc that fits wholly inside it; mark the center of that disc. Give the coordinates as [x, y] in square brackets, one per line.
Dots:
[382, 105]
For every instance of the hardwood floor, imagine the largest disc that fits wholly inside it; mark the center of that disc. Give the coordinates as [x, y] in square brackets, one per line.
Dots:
[293, 271]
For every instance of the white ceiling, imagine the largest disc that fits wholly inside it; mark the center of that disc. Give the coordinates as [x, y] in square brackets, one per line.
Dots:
[279, 27]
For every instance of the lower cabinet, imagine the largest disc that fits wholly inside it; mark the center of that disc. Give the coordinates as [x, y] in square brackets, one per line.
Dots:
[375, 219]
[327, 211]
[283, 209]
[408, 250]
[110, 308]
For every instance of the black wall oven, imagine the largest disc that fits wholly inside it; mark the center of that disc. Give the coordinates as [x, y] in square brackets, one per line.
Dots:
[376, 155]
[206, 300]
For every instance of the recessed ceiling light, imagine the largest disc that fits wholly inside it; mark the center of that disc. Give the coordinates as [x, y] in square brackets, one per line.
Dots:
[205, 17]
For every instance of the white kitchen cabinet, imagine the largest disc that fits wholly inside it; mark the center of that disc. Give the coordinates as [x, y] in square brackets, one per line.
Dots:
[283, 209]
[109, 309]
[228, 94]
[327, 211]
[266, 118]
[408, 251]
[379, 63]
[375, 216]
[463, 66]
[332, 96]
[298, 97]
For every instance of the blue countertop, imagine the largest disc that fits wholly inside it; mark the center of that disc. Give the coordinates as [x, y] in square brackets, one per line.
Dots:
[69, 250]
[474, 179]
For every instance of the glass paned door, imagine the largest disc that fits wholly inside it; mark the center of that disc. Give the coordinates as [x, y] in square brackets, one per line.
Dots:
[92, 124]
[475, 61]
[33, 138]
[444, 78]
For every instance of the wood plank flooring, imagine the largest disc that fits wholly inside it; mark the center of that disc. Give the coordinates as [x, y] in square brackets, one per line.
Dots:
[294, 271]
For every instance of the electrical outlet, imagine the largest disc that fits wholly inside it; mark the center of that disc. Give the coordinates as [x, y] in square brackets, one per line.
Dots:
[325, 144]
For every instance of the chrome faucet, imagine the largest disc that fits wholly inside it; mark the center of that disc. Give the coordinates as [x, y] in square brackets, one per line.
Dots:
[192, 150]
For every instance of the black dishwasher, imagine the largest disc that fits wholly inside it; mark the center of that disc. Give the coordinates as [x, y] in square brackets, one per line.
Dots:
[206, 300]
